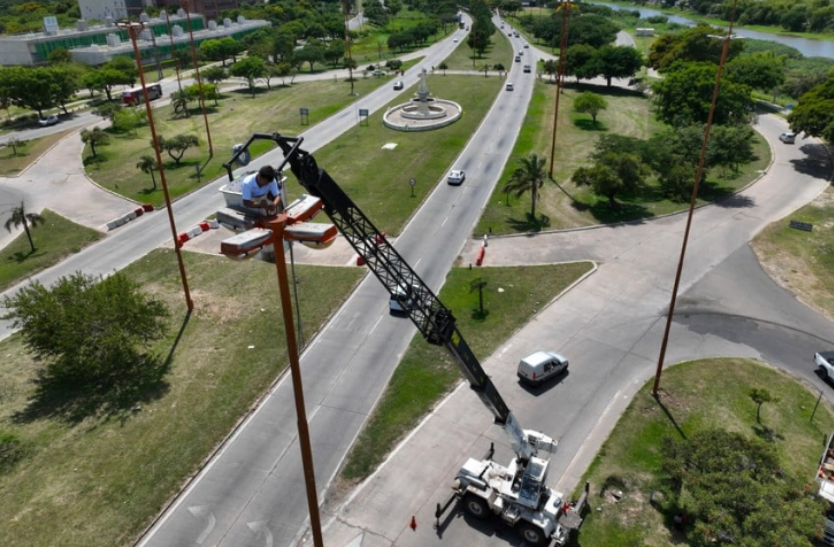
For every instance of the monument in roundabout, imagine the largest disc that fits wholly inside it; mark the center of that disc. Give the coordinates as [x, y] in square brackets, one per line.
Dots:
[423, 112]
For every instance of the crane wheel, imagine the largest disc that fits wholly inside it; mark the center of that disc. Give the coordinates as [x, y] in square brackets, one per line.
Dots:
[475, 506]
[532, 534]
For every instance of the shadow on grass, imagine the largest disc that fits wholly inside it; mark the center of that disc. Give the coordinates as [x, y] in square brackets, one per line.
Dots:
[767, 434]
[21, 257]
[529, 224]
[114, 396]
[590, 125]
[478, 315]
[623, 212]
[659, 400]
[816, 163]
[613, 91]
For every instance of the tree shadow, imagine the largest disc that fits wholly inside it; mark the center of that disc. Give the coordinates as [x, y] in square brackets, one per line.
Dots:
[529, 224]
[479, 316]
[589, 125]
[623, 212]
[711, 190]
[736, 201]
[767, 434]
[666, 411]
[21, 257]
[816, 163]
[246, 92]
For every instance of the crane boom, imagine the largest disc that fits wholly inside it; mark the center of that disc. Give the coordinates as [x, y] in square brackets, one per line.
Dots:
[434, 321]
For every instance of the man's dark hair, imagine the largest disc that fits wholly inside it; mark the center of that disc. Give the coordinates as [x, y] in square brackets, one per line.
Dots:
[267, 172]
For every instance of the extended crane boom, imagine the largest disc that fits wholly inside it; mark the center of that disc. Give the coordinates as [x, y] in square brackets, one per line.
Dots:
[434, 321]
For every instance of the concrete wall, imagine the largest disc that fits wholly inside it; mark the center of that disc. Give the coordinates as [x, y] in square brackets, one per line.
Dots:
[101, 9]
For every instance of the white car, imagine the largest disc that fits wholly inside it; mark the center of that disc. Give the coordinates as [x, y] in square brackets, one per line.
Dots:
[825, 362]
[788, 137]
[49, 120]
[455, 40]
[509, 86]
[398, 85]
[538, 367]
[379, 73]
[456, 177]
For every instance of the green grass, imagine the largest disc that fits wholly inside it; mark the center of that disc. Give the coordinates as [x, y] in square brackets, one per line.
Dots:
[100, 481]
[12, 164]
[377, 179]
[238, 116]
[565, 205]
[371, 46]
[426, 373]
[712, 393]
[500, 51]
[55, 239]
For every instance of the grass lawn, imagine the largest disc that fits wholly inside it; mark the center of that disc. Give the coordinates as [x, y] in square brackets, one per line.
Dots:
[12, 164]
[712, 393]
[499, 51]
[98, 480]
[802, 261]
[565, 205]
[371, 45]
[238, 116]
[377, 179]
[426, 372]
[55, 239]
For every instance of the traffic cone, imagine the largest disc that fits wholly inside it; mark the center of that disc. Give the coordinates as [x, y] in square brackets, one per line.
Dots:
[413, 524]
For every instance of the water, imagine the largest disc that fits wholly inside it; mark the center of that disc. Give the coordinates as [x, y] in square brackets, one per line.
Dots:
[808, 47]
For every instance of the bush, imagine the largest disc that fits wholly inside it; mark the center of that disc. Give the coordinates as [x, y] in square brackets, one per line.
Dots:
[12, 450]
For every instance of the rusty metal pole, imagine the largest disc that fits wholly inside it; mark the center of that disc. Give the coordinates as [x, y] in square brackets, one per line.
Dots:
[173, 47]
[563, 46]
[277, 227]
[348, 44]
[725, 48]
[131, 29]
[186, 4]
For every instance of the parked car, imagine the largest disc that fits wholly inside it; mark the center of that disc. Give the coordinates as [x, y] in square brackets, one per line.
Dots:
[540, 366]
[49, 120]
[510, 86]
[456, 177]
[398, 85]
[825, 362]
[788, 137]
[378, 72]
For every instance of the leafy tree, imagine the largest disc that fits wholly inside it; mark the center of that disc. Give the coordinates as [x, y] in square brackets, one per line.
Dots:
[590, 103]
[177, 146]
[214, 74]
[730, 146]
[250, 68]
[761, 396]
[581, 62]
[214, 51]
[735, 492]
[94, 137]
[59, 56]
[485, 68]
[180, 100]
[618, 62]
[21, 218]
[87, 331]
[760, 71]
[684, 97]
[283, 45]
[528, 177]
[147, 164]
[697, 44]
[443, 66]
[478, 284]
[311, 53]
[30, 88]
[334, 52]
[92, 81]
[500, 68]
[814, 114]
[14, 143]
[108, 110]
[614, 173]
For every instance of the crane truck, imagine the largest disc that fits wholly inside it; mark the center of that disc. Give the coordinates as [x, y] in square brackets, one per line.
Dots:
[516, 493]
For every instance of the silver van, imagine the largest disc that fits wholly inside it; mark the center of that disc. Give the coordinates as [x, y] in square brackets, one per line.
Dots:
[540, 366]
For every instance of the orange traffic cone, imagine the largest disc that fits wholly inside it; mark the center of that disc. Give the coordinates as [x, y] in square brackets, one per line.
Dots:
[413, 524]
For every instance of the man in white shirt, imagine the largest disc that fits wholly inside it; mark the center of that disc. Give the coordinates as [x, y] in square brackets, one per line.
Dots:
[261, 191]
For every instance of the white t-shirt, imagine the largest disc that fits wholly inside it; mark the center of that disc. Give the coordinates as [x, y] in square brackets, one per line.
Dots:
[251, 191]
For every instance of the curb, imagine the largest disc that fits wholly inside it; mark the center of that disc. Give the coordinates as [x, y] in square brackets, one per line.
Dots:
[132, 215]
[195, 231]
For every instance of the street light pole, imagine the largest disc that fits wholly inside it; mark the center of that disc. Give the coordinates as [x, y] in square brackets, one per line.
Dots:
[187, 6]
[725, 48]
[131, 29]
[563, 47]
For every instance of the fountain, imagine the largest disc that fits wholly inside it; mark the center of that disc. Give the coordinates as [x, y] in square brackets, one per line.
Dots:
[423, 112]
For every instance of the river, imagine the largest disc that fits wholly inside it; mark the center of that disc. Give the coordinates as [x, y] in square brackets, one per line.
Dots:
[808, 47]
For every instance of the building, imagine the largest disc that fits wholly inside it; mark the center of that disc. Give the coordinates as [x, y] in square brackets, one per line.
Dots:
[99, 10]
[97, 44]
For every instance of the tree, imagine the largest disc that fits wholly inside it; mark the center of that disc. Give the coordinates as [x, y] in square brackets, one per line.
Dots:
[21, 217]
[529, 177]
[478, 284]
[814, 114]
[59, 56]
[697, 44]
[618, 62]
[580, 62]
[214, 74]
[735, 492]
[180, 100]
[177, 146]
[762, 71]
[590, 103]
[30, 88]
[250, 68]
[147, 164]
[14, 143]
[500, 68]
[613, 173]
[334, 52]
[761, 396]
[283, 45]
[443, 66]
[312, 54]
[85, 329]
[485, 68]
[684, 96]
[94, 137]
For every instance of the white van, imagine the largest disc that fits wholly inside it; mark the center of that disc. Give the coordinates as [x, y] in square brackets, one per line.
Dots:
[540, 366]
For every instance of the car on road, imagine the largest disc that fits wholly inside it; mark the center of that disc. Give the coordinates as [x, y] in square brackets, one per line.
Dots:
[455, 40]
[49, 120]
[401, 302]
[379, 73]
[540, 366]
[517, 58]
[510, 86]
[398, 85]
[526, 68]
[825, 362]
[526, 46]
[456, 177]
[788, 137]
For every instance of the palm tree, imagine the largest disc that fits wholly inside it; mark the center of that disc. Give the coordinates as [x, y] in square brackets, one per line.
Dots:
[20, 216]
[147, 165]
[530, 176]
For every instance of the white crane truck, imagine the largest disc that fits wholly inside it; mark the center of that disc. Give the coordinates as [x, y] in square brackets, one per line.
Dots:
[516, 493]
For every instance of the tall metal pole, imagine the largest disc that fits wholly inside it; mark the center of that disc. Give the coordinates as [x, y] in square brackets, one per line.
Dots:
[131, 29]
[725, 48]
[348, 44]
[173, 47]
[186, 4]
[295, 295]
[563, 47]
[277, 227]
